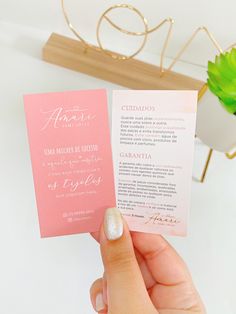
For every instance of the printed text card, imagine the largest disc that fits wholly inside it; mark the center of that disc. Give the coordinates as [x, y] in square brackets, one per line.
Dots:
[71, 157]
[153, 143]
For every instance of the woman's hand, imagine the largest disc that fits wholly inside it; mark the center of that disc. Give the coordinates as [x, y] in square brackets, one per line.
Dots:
[143, 274]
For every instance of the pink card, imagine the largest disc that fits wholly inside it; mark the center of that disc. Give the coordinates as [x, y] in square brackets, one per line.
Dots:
[71, 159]
[153, 143]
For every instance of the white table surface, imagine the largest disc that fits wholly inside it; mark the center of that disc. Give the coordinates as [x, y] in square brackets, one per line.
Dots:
[53, 276]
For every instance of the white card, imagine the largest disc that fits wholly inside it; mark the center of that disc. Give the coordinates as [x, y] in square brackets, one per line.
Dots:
[153, 144]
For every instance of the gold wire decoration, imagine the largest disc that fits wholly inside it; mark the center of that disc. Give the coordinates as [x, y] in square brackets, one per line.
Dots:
[144, 33]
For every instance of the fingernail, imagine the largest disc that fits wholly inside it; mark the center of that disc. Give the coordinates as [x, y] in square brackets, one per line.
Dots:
[99, 303]
[113, 224]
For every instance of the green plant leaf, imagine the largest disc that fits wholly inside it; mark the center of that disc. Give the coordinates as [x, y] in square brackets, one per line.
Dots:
[222, 79]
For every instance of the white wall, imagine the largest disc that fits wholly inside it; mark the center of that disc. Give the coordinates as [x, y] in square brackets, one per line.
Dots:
[218, 16]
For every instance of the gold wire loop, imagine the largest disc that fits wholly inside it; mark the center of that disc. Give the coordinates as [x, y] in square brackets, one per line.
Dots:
[104, 16]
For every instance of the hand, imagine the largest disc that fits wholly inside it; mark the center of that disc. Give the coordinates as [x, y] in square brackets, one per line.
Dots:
[143, 274]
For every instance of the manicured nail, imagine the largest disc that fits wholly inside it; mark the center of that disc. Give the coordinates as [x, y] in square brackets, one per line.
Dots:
[113, 224]
[99, 303]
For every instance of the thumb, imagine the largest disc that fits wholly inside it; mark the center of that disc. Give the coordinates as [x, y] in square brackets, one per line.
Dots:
[126, 291]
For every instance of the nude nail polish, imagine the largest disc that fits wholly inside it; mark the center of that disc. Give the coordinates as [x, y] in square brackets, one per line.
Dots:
[113, 224]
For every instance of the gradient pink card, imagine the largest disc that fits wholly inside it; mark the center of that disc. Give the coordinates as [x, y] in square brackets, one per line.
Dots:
[71, 158]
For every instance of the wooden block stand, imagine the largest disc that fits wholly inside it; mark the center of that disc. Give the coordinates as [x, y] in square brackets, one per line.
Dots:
[131, 73]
